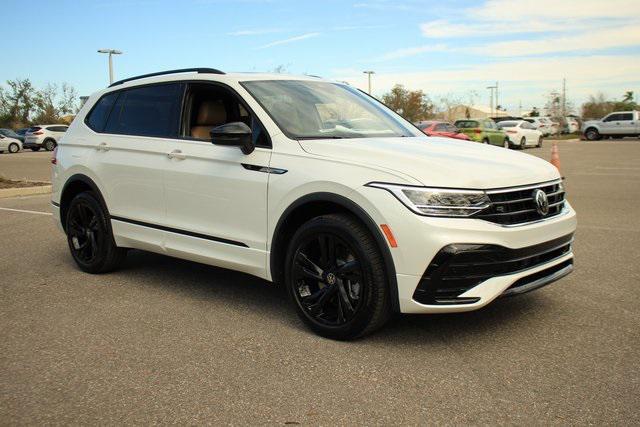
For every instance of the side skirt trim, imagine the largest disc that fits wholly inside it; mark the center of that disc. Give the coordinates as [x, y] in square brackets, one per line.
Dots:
[178, 231]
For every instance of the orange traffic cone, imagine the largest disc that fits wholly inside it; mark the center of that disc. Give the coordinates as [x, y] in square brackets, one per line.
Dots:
[555, 156]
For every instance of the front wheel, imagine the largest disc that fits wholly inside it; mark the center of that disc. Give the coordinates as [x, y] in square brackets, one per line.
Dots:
[335, 277]
[89, 235]
[523, 143]
[485, 141]
[13, 148]
[539, 143]
[506, 143]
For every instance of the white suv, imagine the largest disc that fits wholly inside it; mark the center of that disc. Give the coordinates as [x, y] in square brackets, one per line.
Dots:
[44, 136]
[312, 184]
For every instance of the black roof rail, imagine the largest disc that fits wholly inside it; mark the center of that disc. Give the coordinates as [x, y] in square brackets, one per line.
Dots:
[161, 73]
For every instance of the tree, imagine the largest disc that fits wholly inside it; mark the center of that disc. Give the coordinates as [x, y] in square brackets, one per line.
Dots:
[534, 112]
[53, 102]
[628, 96]
[599, 106]
[412, 105]
[18, 102]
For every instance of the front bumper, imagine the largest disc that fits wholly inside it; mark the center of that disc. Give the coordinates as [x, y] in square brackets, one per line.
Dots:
[421, 238]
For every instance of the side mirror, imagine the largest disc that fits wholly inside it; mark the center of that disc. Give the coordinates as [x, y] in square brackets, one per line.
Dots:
[234, 134]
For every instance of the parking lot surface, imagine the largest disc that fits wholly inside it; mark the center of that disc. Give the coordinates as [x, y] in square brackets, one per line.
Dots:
[169, 341]
[26, 164]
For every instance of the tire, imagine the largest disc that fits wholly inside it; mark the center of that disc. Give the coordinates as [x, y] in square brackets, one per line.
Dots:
[485, 141]
[523, 143]
[49, 145]
[592, 134]
[90, 237]
[35, 149]
[14, 148]
[539, 143]
[334, 274]
[506, 144]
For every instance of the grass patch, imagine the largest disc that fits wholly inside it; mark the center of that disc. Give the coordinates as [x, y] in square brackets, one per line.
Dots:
[10, 183]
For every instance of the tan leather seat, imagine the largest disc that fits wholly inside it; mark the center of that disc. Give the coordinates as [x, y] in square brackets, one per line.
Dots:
[210, 115]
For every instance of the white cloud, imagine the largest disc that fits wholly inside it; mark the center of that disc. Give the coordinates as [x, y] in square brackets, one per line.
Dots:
[290, 40]
[410, 51]
[524, 79]
[583, 42]
[522, 10]
[443, 28]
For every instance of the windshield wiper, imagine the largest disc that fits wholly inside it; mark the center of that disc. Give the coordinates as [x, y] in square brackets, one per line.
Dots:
[321, 137]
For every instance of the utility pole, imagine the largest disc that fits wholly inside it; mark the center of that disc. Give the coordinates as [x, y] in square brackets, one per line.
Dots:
[564, 98]
[491, 88]
[111, 52]
[497, 102]
[369, 75]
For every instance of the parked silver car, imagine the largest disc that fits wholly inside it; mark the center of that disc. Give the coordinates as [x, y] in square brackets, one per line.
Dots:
[44, 136]
[12, 145]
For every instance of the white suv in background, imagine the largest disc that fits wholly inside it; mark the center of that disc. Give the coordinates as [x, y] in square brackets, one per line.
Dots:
[312, 184]
[44, 136]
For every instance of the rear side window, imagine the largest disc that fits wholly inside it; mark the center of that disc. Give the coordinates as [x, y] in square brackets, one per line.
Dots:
[147, 111]
[34, 129]
[57, 128]
[97, 118]
[626, 116]
[466, 124]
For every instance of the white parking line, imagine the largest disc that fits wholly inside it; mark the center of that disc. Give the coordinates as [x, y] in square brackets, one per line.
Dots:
[25, 211]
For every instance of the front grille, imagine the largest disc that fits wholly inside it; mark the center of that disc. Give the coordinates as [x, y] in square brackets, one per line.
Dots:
[459, 267]
[513, 206]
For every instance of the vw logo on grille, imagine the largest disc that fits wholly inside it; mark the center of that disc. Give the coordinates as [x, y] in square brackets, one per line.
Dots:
[331, 279]
[541, 201]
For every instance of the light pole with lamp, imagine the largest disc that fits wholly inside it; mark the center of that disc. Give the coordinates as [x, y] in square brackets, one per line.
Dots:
[111, 52]
[369, 75]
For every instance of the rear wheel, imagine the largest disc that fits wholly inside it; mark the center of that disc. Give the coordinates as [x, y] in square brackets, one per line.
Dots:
[523, 143]
[485, 141]
[14, 148]
[49, 144]
[539, 142]
[335, 276]
[89, 236]
[506, 143]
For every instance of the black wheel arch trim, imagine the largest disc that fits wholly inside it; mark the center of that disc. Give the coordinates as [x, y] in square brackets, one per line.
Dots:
[354, 209]
[85, 180]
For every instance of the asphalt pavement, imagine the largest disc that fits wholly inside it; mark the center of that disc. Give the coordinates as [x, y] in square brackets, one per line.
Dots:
[169, 341]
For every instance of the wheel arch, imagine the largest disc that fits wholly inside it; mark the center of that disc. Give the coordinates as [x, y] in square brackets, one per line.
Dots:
[75, 185]
[321, 203]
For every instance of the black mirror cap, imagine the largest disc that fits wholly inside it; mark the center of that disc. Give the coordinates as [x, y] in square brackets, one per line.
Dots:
[234, 134]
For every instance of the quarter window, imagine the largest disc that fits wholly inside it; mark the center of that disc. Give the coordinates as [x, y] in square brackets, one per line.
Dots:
[147, 111]
[626, 116]
[97, 118]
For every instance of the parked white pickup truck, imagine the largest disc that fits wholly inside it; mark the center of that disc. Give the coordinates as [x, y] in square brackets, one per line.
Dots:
[616, 125]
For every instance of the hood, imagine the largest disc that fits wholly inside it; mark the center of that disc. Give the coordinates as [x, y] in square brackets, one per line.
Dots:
[591, 122]
[439, 162]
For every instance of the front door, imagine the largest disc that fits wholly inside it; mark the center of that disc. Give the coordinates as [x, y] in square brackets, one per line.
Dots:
[216, 195]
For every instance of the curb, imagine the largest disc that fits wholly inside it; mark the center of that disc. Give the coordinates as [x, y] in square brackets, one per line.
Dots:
[24, 191]
[560, 141]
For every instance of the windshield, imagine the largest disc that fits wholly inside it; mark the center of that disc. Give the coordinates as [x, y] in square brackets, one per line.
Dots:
[467, 124]
[507, 124]
[316, 110]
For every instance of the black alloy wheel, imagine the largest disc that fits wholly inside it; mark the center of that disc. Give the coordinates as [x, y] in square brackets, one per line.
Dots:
[89, 236]
[336, 278]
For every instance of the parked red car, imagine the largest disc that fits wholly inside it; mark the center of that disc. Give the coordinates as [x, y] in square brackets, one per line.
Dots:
[436, 128]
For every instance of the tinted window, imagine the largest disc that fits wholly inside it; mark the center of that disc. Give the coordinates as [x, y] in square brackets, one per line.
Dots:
[613, 118]
[441, 127]
[57, 128]
[97, 118]
[626, 116]
[147, 111]
[507, 125]
[466, 124]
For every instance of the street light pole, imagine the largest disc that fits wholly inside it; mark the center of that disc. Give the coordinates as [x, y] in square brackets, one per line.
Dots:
[369, 75]
[491, 88]
[111, 52]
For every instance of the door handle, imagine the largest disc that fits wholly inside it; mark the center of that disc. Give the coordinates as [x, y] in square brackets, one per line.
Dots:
[176, 154]
[102, 147]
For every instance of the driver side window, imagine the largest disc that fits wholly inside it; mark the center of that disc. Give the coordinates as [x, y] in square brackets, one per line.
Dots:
[208, 106]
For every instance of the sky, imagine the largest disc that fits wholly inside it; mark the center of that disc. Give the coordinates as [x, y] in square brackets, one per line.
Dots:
[452, 49]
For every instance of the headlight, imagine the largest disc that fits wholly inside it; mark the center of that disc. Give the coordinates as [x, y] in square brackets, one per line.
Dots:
[438, 201]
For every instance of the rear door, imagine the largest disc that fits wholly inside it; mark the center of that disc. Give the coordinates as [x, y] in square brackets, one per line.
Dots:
[496, 136]
[134, 126]
[627, 124]
[216, 195]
